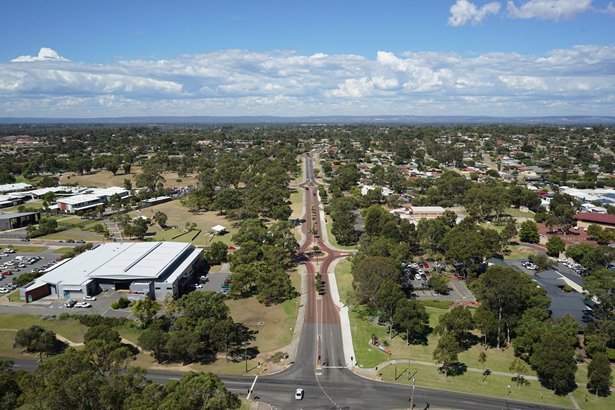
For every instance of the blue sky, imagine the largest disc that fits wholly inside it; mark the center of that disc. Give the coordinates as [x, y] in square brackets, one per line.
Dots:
[294, 57]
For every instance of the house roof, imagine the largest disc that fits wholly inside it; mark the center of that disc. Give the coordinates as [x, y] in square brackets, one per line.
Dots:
[598, 218]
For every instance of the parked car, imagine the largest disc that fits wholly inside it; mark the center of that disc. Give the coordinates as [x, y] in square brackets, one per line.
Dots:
[299, 394]
[89, 298]
[83, 305]
[7, 273]
[4, 290]
[198, 286]
[70, 303]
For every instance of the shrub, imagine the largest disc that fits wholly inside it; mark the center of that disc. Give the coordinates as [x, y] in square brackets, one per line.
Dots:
[64, 316]
[123, 303]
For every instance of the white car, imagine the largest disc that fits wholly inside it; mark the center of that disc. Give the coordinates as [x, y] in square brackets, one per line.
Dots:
[83, 305]
[89, 298]
[4, 290]
[198, 286]
[299, 394]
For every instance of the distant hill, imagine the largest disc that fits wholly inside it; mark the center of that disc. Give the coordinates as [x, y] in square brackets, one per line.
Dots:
[333, 119]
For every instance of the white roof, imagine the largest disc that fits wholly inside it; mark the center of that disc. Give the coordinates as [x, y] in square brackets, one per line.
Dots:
[218, 228]
[43, 191]
[427, 209]
[18, 186]
[123, 261]
[79, 199]
[108, 191]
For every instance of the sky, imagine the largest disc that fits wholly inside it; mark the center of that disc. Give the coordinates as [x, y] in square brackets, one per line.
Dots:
[78, 58]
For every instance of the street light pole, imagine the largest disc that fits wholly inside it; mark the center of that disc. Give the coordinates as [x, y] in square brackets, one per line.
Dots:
[412, 395]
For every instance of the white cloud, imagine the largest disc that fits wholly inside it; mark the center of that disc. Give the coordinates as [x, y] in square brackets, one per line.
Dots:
[464, 12]
[554, 10]
[44, 54]
[610, 9]
[241, 82]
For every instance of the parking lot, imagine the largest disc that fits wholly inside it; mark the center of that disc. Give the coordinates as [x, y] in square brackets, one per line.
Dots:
[14, 263]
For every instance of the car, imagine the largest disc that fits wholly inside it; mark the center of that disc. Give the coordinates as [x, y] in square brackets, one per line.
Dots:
[69, 304]
[21, 265]
[80, 241]
[89, 298]
[299, 394]
[198, 286]
[417, 276]
[7, 273]
[9, 263]
[4, 290]
[83, 305]
[70, 241]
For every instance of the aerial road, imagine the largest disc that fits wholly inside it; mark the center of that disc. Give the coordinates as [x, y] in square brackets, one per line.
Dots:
[321, 366]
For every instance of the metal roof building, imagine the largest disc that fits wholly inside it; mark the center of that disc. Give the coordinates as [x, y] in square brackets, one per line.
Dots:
[152, 269]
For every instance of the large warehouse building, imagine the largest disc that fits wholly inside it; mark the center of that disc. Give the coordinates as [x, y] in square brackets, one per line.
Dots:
[152, 269]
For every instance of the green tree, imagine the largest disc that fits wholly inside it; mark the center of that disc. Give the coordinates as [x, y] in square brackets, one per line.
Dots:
[217, 253]
[482, 359]
[555, 245]
[387, 297]
[446, 353]
[161, 218]
[38, 340]
[411, 318]
[553, 360]
[439, 283]
[370, 273]
[599, 373]
[505, 294]
[145, 310]
[468, 245]
[509, 231]
[198, 391]
[155, 340]
[102, 332]
[458, 323]
[518, 367]
[528, 232]
[10, 391]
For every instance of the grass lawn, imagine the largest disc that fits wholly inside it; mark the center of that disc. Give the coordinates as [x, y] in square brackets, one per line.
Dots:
[104, 179]
[130, 333]
[14, 296]
[178, 215]
[471, 382]
[515, 213]
[74, 234]
[34, 204]
[301, 176]
[332, 239]
[63, 251]
[7, 338]
[275, 324]
[27, 248]
[518, 252]
[589, 401]
[343, 277]
[71, 329]
[296, 203]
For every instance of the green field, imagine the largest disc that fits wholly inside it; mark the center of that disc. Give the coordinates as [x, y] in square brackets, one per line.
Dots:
[178, 215]
[27, 248]
[70, 329]
[496, 386]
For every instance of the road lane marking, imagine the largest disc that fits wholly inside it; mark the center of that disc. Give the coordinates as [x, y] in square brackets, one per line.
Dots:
[252, 387]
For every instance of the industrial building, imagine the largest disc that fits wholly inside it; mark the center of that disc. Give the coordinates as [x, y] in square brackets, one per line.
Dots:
[15, 220]
[152, 269]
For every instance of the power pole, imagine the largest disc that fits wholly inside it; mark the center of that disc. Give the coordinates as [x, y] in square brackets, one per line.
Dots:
[412, 395]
